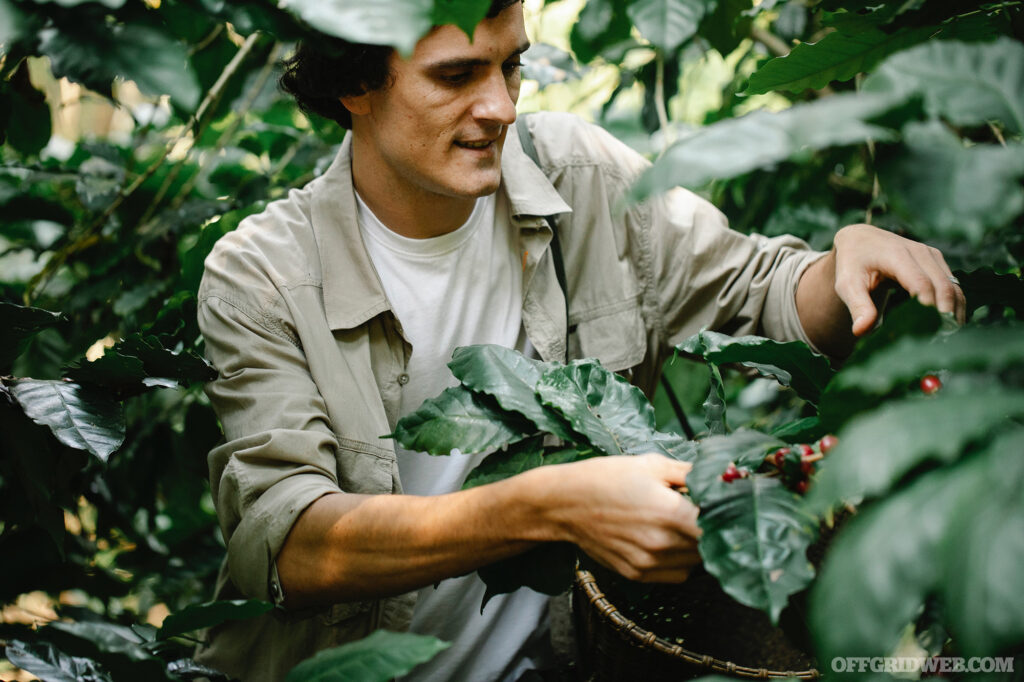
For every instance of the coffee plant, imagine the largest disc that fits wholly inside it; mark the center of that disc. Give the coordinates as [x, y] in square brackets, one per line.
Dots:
[792, 116]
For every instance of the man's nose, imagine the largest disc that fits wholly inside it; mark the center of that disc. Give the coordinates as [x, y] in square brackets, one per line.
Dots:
[497, 100]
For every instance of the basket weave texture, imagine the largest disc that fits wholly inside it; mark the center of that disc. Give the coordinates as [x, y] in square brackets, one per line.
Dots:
[614, 648]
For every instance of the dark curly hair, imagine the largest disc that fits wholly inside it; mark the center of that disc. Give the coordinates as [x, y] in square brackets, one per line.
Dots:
[317, 76]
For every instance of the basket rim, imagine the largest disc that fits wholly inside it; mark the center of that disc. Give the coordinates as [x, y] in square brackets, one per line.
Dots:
[609, 613]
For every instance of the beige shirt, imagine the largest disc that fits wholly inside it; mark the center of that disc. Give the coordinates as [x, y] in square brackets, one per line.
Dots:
[311, 361]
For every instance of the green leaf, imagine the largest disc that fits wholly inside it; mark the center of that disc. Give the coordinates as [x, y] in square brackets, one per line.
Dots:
[94, 54]
[192, 261]
[199, 616]
[965, 83]
[745, 448]
[465, 14]
[839, 56]
[459, 419]
[20, 324]
[755, 542]
[399, 23]
[667, 23]
[29, 125]
[548, 568]
[886, 560]
[761, 139]
[602, 407]
[602, 25]
[51, 664]
[792, 364]
[878, 448]
[952, 189]
[909, 358]
[377, 658]
[714, 405]
[510, 378]
[139, 362]
[522, 456]
[78, 417]
[985, 287]
[982, 587]
[118, 648]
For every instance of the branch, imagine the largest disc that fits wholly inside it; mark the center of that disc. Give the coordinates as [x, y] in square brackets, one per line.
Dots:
[776, 45]
[88, 237]
[659, 99]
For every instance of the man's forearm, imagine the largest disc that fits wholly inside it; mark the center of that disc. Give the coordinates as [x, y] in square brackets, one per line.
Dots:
[623, 511]
[346, 547]
[824, 316]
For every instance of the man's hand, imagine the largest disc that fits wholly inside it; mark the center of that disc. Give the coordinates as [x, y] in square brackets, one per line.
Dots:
[834, 295]
[626, 513]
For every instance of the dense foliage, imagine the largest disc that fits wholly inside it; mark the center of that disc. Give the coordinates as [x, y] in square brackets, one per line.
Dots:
[906, 114]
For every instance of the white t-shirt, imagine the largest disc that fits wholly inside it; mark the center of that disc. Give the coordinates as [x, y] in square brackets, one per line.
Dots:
[461, 288]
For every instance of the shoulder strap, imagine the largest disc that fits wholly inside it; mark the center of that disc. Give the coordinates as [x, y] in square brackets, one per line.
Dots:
[526, 140]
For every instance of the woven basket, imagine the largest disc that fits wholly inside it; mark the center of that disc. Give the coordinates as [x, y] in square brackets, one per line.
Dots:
[613, 648]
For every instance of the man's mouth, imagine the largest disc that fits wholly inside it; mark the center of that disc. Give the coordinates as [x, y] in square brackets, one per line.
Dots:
[479, 144]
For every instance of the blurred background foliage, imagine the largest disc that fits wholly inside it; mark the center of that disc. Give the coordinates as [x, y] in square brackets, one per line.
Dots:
[137, 132]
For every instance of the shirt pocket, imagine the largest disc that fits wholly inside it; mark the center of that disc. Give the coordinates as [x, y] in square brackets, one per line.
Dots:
[614, 334]
[365, 468]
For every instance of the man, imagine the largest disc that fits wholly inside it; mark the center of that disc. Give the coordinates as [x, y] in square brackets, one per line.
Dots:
[332, 314]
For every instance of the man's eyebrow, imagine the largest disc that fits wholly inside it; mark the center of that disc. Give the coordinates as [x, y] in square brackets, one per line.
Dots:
[457, 63]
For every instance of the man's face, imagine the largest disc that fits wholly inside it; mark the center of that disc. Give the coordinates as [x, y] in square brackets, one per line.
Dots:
[439, 127]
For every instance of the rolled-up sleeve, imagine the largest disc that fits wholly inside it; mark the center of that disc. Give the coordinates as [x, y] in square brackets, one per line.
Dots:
[709, 276]
[280, 452]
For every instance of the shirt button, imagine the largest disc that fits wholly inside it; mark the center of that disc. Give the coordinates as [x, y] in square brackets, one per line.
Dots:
[403, 378]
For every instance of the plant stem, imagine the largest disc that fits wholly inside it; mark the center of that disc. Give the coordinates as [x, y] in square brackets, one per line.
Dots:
[659, 100]
[88, 237]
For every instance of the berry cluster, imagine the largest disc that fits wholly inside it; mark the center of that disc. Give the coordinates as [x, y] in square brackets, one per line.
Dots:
[794, 465]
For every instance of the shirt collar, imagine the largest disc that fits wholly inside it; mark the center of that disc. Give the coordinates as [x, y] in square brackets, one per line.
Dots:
[352, 290]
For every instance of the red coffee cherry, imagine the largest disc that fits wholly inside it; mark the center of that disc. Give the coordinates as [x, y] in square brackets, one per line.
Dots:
[827, 443]
[930, 384]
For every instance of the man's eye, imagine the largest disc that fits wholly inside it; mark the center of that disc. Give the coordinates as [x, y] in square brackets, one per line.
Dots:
[512, 67]
[455, 78]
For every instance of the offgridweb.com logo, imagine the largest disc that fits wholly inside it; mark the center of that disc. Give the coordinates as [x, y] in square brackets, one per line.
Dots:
[935, 664]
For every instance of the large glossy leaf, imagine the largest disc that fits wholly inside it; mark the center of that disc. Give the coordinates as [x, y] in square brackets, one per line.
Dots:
[95, 55]
[510, 378]
[139, 362]
[755, 542]
[792, 364]
[966, 83]
[51, 664]
[714, 404]
[522, 456]
[465, 14]
[839, 56]
[20, 324]
[949, 189]
[886, 560]
[377, 658]
[982, 587]
[200, 616]
[667, 23]
[28, 123]
[119, 649]
[548, 568]
[602, 407]
[909, 358]
[79, 417]
[399, 23]
[735, 146]
[878, 448]
[459, 419]
[745, 448]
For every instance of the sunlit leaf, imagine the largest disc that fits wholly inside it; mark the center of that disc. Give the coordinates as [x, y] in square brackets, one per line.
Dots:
[377, 658]
[510, 378]
[667, 23]
[200, 616]
[399, 23]
[458, 419]
[78, 417]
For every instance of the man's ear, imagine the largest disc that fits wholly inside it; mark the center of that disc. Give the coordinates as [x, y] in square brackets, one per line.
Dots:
[357, 105]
